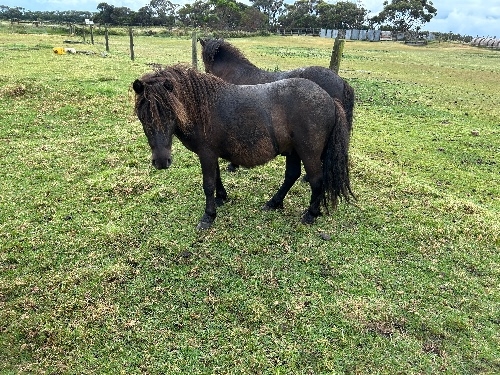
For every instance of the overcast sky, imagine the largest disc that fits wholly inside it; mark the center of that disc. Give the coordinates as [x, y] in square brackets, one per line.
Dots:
[466, 17]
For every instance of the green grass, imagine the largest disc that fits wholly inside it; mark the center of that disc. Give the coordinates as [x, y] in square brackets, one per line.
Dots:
[102, 270]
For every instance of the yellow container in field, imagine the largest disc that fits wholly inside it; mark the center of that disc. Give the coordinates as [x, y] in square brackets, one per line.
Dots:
[59, 50]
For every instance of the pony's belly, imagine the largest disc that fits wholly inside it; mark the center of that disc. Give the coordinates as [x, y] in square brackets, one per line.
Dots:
[251, 155]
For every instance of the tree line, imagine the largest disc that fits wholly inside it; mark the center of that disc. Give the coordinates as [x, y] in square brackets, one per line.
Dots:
[400, 15]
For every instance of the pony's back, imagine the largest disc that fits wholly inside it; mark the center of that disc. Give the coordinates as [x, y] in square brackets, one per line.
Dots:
[228, 62]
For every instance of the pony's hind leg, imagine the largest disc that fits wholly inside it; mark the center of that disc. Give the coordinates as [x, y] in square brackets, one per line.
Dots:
[292, 173]
[220, 191]
[314, 209]
[315, 178]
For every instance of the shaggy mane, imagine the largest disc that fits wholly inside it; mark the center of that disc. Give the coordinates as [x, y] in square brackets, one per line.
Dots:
[179, 91]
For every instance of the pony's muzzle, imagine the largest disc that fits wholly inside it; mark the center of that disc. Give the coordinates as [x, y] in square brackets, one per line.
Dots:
[161, 163]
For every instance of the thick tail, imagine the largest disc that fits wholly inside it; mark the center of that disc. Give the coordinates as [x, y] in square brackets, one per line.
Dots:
[348, 102]
[336, 184]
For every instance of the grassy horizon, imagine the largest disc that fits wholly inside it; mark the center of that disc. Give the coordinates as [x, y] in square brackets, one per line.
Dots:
[102, 270]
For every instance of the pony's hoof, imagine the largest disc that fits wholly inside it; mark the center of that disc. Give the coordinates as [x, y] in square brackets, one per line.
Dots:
[270, 206]
[308, 218]
[203, 225]
[205, 222]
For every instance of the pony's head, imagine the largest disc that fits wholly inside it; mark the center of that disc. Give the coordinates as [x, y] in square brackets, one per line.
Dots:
[160, 113]
[209, 48]
[174, 100]
[217, 53]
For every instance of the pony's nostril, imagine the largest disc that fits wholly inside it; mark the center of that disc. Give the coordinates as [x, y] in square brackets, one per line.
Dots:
[161, 163]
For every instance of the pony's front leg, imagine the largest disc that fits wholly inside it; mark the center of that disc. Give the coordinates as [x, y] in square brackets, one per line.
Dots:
[209, 167]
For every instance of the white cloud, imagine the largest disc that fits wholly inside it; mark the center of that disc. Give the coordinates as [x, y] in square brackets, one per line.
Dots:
[473, 25]
[466, 17]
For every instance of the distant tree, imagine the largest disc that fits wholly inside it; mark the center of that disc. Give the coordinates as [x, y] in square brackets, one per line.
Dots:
[163, 12]
[271, 8]
[300, 14]
[8, 13]
[197, 14]
[227, 13]
[144, 16]
[105, 13]
[217, 14]
[318, 13]
[342, 15]
[405, 15]
[122, 16]
[109, 14]
[253, 19]
[71, 16]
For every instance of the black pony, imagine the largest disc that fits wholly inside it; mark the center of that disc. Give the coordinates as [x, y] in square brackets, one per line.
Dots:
[227, 62]
[247, 125]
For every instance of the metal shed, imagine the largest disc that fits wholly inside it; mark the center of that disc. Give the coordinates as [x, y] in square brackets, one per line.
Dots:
[484, 42]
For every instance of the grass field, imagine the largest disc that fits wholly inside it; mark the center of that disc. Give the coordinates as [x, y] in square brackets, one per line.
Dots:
[102, 270]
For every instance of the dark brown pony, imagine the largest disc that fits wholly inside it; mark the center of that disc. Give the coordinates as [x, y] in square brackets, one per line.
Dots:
[247, 125]
[227, 62]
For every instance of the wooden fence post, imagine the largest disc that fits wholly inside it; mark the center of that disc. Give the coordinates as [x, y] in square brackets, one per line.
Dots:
[338, 48]
[91, 34]
[106, 38]
[194, 53]
[131, 34]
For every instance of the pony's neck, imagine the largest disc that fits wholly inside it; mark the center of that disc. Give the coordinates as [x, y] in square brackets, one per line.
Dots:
[197, 93]
[235, 71]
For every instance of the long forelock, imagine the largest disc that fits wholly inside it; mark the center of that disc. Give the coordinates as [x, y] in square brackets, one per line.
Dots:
[157, 104]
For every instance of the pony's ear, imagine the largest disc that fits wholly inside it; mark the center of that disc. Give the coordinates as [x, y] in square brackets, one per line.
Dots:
[202, 42]
[168, 85]
[138, 86]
